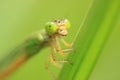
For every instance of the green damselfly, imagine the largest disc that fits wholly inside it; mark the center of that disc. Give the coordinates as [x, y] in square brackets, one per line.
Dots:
[34, 43]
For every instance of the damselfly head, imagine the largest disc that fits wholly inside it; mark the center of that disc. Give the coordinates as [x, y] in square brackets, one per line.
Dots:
[59, 27]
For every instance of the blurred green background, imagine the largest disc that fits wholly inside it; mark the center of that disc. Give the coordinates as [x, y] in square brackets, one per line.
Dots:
[19, 18]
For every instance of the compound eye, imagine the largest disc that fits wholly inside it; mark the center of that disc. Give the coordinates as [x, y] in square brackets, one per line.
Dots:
[51, 27]
[67, 23]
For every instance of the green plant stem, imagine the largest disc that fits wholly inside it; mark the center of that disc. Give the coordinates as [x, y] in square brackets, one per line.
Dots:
[91, 40]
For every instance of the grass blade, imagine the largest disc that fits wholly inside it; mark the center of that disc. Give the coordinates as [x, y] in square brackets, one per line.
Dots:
[91, 40]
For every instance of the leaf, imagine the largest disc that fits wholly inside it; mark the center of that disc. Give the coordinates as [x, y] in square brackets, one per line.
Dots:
[91, 40]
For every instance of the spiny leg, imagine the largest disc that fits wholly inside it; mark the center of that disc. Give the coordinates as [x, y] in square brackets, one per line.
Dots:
[65, 43]
[54, 47]
[52, 55]
[51, 58]
[59, 50]
[66, 50]
[57, 47]
[48, 70]
[54, 62]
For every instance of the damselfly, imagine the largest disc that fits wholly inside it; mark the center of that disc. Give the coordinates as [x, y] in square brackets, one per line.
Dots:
[34, 43]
